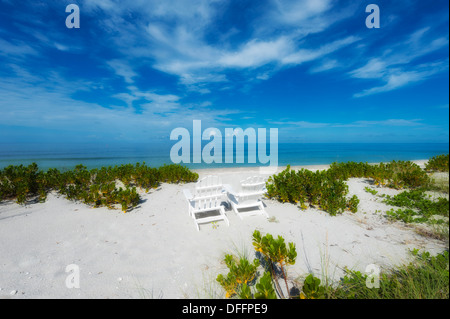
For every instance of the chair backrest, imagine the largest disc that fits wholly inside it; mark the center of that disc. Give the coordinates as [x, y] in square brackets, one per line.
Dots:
[252, 188]
[253, 184]
[208, 193]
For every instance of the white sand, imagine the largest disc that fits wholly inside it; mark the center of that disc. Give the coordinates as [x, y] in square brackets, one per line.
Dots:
[155, 250]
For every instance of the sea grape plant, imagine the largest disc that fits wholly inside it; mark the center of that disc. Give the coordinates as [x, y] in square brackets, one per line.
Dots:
[243, 280]
[264, 289]
[276, 253]
[241, 273]
[312, 288]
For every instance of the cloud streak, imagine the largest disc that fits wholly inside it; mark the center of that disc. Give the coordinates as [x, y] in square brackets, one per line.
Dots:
[361, 123]
[395, 67]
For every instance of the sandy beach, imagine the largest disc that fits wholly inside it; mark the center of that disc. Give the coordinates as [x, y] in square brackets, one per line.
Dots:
[155, 251]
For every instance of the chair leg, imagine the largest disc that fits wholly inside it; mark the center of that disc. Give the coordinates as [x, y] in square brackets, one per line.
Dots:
[190, 209]
[225, 218]
[263, 210]
[196, 225]
[235, 209]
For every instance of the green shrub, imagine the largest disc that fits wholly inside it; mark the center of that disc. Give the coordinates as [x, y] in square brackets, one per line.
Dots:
[242, 279]
[396, 174]
[19, 182]
[176, 174]
[417, 207]
[439, 163]
[242, 275]
[353, 203]
[305, 188]
[241, 272]
[97, 187]
[371, 191]
[264, 289]
[327, 189]
[276, 254]
[312, 288]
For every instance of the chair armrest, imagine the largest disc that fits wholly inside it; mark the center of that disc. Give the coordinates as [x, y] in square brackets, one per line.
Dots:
[228, 189]
[187, 193]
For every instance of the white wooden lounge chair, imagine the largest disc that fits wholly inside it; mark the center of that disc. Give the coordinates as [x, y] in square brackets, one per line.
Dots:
[205, 204]
[250, 196]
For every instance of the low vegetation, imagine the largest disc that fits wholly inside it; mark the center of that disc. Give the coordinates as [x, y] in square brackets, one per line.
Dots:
[107, 186]
[427, 277]
[307, 188]
[328, 191]
[438, 163]
[396, 174]
[244, 281]
[418, 207]
[371, 191]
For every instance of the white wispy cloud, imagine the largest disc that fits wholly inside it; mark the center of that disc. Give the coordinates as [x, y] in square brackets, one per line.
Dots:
[361, 123]
[51, 106]
[257, 53]
[326, 65]
[302, 18]
[397, 78]
[16, 49]
[296, 11]
[388, 123]
[123, 69]
[173, 37]
[304, 55]
[396, 67]
[302, 124]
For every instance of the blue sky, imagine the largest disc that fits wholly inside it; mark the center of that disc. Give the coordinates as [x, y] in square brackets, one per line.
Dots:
[136, 70]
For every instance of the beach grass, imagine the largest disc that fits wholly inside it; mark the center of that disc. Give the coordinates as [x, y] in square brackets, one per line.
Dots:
[439, 183]
[427, 277]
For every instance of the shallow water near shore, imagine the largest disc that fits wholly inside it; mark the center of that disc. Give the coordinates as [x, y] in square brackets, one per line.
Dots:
[67, 156]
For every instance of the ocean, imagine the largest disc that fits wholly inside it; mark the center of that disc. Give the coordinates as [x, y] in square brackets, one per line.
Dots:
[67, 156]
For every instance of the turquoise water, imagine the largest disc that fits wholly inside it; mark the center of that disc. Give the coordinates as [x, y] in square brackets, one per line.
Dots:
[64, 156]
